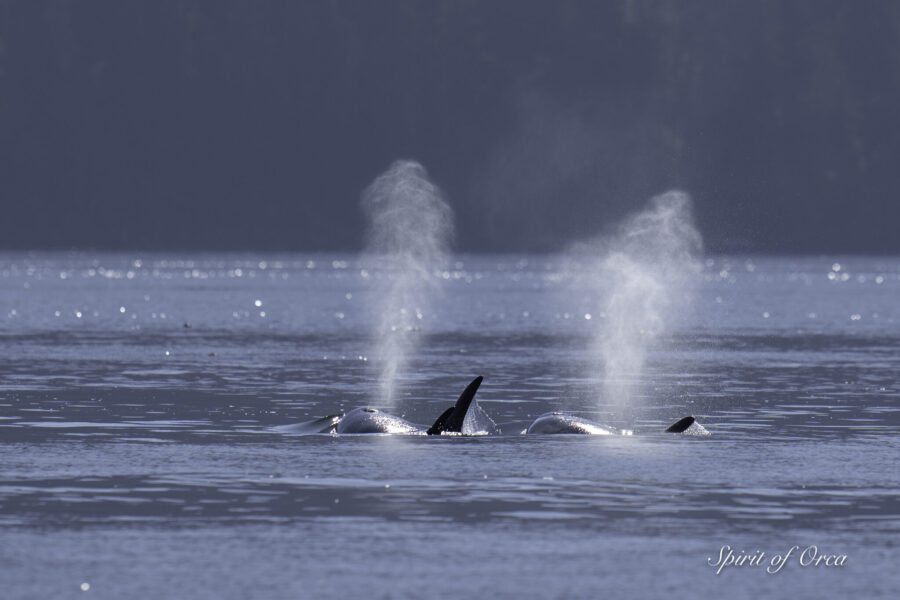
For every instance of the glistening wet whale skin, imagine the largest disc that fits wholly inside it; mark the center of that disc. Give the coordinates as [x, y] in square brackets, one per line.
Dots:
[372, 420]
[557, 422]
[453, 420]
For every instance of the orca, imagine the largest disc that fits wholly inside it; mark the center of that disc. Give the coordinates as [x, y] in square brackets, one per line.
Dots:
[557, 422]
[453, 419]
[681, 425]
[372, 420]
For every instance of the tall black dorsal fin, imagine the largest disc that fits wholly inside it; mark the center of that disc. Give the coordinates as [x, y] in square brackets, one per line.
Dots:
[680, 425]
[452, 418]
[438, 426]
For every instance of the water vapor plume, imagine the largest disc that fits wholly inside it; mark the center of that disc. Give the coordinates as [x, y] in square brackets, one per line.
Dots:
[644, 275]
[410, 227]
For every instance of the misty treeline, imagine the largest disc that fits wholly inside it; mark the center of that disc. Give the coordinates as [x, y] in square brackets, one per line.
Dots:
[256, 125]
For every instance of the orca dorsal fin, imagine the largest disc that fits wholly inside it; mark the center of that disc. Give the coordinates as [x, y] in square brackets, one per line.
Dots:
[438, 426]
[452, 418]
[680, 425]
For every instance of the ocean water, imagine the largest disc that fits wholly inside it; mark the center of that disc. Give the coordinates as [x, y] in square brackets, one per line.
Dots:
[142, 453]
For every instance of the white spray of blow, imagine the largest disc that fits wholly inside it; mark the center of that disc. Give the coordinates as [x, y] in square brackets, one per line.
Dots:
[644, 275]
[410, 227]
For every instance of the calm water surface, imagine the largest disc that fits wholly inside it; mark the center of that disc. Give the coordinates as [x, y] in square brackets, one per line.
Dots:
[140, 455]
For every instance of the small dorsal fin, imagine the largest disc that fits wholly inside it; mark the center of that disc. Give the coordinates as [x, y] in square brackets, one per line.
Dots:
[680, 425]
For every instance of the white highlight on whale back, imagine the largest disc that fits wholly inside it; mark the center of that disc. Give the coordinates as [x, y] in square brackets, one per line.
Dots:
[556, 422]
[371, 420]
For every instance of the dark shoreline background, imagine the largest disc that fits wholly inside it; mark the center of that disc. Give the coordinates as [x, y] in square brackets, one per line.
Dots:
[254, 126]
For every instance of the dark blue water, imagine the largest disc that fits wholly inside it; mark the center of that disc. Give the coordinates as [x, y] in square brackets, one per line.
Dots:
[141, 455]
